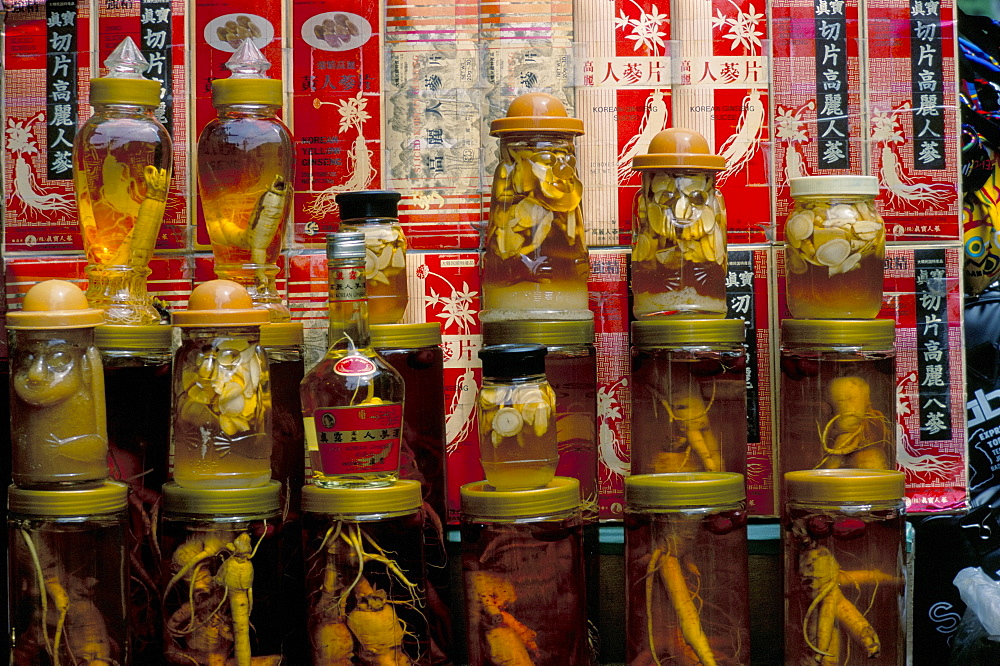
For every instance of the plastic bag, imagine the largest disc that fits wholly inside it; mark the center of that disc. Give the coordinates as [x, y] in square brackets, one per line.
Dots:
[982, 594]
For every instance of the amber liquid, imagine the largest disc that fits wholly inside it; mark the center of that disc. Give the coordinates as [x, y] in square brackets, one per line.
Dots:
[385, 270]
[815, 294]
[573, 377]
[704, 558]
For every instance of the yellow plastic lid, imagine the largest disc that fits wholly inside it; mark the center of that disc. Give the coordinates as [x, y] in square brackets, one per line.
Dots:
[404, 496]
[845, 485]
[556, 332]
[479, 499]
[142, 92]
[695, 489]
[117, 336]
[404, 336]
[282, 334]
[805, 186]
[221, 501]
[220, 303]
[865, 334]
[109, 497]
[536, 111]
[246, 91]
[663, 331]
[54, 304]
[678, 148]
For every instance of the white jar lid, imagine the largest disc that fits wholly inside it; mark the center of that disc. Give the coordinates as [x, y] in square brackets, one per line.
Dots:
[831, 185]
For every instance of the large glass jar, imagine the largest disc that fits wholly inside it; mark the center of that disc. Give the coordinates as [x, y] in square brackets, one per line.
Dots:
[689, 398]
[282, 343]
[365, 576]
[679, 255]
[838, 394]
[221, 575]
[58, 427]
[221, 431]
[834, 248]
[535, 263]
[844, 567]
[686, 569]
[523, 573]
[67, 575]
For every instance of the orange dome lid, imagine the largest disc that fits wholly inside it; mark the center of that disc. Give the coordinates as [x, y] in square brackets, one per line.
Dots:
[54, 304]
[678, 147]
[220, 303]
[536, 111]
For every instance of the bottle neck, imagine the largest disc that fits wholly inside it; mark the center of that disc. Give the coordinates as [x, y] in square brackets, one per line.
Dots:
[123, 110]
[348, 305]
[247, 111]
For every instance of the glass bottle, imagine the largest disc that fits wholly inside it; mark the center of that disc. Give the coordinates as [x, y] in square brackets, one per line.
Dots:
[352, 400]
[689, 398]
[516, 410]
[834, 248]
[67, 575]
[687, 576]
[375, 213]
[844, 567]
[535, 263]
[122, 165]
[366, 577]
[221, 575]
[837, 400]
[522, 568]
[245, 164]
[59, 433]
[282, 343]
[679, 259]
[221, 434]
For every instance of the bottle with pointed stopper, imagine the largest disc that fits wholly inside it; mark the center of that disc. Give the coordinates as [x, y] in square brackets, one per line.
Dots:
[245, 178]
[122, 162]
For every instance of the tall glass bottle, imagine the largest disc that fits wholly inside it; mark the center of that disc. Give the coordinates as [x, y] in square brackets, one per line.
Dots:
[245, 178]
[122, 162]
[352, 400]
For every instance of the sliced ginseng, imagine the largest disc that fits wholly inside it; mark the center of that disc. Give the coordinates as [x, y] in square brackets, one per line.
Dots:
[507, 422]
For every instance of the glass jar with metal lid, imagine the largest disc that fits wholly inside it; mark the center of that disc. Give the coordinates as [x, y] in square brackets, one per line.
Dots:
[843, 533]
[688, 396]
[686, 569]
[522, 567]
[365, 578]
[221, 549]
[834, 248]
[67, 583]
[837, 398]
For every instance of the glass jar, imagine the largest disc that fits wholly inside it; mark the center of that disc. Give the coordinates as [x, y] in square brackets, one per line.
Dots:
[516, 410]
[535, 263]
[365, 575]
[834, 248]
[375, 213]
[687, 577]
[689, 399]
[67, 575]
[282, 343]
[844, 567]
[59, 434]
[679, 258]
[522, 568]
[221, 435]
[221, 574]
[838, 394]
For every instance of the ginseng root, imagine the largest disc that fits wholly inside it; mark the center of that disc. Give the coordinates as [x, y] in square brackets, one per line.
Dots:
[377, 627]
[508, 640]
[861, 435]
[690, 409]
[236, 576]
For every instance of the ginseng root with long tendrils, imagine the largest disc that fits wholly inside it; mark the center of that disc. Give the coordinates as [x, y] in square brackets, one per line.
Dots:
[689, 409]
[857, 435]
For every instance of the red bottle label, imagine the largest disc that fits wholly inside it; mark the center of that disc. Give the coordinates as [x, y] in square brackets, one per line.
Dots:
[354, 366]
[360, 439]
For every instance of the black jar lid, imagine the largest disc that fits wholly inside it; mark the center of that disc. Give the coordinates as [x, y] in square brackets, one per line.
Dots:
[368, 204]
[512, 360]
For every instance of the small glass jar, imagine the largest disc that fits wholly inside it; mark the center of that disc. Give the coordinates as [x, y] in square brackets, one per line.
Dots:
[221, 435]
[523, 573]
[844, 567]
[679, 257]
[282, 343]
[834, 248]
[516, 410]
[365, 576]
[67, 575]
[838, 394]
[687, 577]
[689, 399]
[535, 263]
[375, 213]
[59, 434]
[221, 574]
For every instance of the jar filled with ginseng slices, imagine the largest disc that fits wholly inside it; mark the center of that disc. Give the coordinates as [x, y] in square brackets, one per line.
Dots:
[679, 254]
[834, 248]
[686, 573]
[843, 537]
